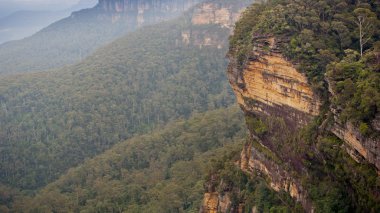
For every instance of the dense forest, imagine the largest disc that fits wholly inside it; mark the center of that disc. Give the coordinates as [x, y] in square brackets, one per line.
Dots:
[52, 121]
[162, 171]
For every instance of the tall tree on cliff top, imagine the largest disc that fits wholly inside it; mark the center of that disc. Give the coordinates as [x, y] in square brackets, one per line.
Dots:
[366, 21]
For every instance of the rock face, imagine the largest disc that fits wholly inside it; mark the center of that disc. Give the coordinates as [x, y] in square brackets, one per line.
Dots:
[359, 147]
[143, 12]
[213, 14]
[215, 203]
[280, 179]
[210, 203]
[218, 13]
[269, 84]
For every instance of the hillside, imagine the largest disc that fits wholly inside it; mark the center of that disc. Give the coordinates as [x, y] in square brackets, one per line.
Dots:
[52, 121]
[14, 26]
[162, 171]
[71, 39]
[24, 23]
[306, 74]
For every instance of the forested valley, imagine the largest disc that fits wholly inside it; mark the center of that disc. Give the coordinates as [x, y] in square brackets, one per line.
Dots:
[55, 120]
[149, 121]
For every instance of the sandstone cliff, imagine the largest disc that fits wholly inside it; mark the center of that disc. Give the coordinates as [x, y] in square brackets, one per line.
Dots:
[269, 84]
[297, 143]
[141, 12]
[270, 87]
[220, 14]
[278, 102]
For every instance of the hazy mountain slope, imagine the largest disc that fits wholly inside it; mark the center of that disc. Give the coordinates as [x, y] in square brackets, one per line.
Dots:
[52, 121]
[24, 23]
[71, 39]
[21, 24]
[159, 172]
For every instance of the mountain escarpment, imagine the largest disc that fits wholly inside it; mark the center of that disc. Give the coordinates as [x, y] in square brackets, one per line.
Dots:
[206, 16]
[278, 101]
[311, 108]
[142, 12]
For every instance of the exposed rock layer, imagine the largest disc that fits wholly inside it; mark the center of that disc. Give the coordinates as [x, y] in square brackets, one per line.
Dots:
[212, 13]
[280, 179]
[360, 148]
[223, 15]
[143, 12]
[269, 84]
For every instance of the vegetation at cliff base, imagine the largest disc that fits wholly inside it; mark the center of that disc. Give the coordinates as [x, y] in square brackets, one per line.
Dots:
[246, 190]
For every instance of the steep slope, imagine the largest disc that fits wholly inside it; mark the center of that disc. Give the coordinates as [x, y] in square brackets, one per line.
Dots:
[73, 38]
[318, 142]
[54, 120]
[158, 172]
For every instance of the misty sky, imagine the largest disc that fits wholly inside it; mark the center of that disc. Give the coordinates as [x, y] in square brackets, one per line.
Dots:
[9, 6]
[38, 3]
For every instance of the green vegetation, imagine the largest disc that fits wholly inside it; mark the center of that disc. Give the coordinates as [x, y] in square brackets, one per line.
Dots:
[339, 184]
[54, 120]
[248, 189]
[323, 36]
[158, 172]
[334, 40]
[334, 181]
[356, 81]
[256, 125]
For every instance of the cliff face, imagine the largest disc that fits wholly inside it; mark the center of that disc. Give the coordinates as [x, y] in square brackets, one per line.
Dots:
[222, 15]
[218, 13]
[278, 101]
[279, 178]
[360, 148]
[269, 87]
[269, 84]
[143, 12]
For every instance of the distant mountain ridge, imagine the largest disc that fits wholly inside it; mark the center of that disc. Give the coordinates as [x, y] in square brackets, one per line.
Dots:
[71, 39]
[23, 22]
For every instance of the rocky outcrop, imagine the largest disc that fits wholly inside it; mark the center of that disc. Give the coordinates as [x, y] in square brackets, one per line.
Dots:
[214, 202]
[359, 147]
[269, 84]
[210, 203]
